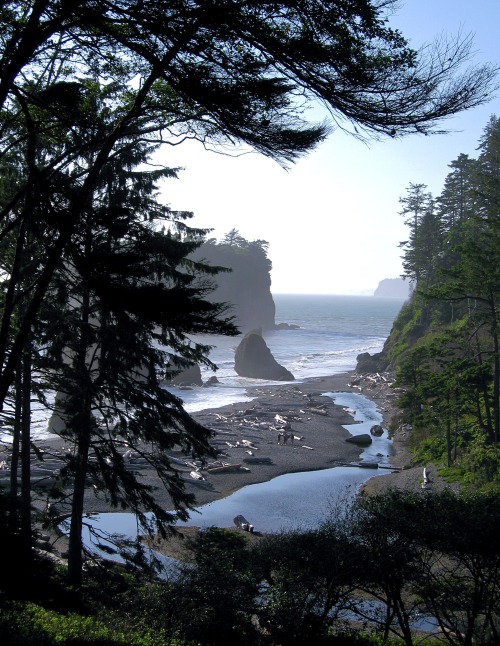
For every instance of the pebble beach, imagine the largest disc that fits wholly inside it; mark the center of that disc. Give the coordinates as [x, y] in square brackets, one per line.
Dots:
[285, 428]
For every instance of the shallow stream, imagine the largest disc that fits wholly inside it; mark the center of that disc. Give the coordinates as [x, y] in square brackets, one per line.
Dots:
[292, 501]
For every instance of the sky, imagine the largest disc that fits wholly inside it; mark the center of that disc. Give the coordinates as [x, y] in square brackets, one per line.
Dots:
[332, 221]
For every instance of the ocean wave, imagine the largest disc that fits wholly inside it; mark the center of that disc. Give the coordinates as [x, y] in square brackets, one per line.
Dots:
[332, 332]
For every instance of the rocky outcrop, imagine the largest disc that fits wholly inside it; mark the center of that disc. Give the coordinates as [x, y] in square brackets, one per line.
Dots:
[187, 377]
[367, 363]
[254, 359]
[57, 422]
[246, 288]
[286, 326]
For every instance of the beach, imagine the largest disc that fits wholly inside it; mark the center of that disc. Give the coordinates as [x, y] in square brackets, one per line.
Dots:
[328, 333]
[248, 434]
[314, 423]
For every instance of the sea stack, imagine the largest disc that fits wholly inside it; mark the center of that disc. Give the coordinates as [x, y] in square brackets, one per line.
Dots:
[254, 359]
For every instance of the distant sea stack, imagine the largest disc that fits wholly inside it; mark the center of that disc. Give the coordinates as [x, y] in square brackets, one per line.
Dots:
[247, 287]
[393, 288]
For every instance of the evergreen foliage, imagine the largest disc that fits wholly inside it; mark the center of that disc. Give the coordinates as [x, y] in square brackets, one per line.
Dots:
[95, 297]
[221, 73]
[246, 287]
[123, 301]
[445, 343]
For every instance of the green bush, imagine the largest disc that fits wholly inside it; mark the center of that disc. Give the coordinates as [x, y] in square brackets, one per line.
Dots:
[29, 624]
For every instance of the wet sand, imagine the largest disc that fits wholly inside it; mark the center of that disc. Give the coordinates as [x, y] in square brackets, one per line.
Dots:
[285, 429]
[248, 434]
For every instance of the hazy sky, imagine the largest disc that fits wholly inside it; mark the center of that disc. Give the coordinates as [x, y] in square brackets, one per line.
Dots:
[332, 220]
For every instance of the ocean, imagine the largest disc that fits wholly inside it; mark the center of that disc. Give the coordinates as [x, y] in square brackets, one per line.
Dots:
[332, 331]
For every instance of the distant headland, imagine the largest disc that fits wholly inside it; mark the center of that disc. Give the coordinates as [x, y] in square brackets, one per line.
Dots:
[393, 288]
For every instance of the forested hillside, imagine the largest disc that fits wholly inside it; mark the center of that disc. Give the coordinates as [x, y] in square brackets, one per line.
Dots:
[99, 292]
[445, 344]
[247, 286]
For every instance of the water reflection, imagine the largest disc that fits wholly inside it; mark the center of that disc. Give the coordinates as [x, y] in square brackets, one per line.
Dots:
[365, 414]
[292, 501]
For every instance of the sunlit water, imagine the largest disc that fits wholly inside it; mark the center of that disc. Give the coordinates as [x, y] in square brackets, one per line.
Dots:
[332, 331]
[292, 501]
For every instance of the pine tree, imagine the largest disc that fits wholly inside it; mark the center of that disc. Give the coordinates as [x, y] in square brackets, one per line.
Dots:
[422, 249]
[133, 300]
[224, 73]
[453, 374]
[456, 202]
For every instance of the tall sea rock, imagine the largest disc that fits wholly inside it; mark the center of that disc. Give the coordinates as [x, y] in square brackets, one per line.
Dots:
[254, 359]
[247, 286]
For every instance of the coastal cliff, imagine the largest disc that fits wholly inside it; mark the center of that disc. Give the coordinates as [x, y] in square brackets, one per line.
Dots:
[247, 286]
[393, 288]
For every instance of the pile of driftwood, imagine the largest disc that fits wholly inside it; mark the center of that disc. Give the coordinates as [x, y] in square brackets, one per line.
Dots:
[379, 388]
[271, 420]
[373, 382]
[46, 465]
[48, 462]
[268, 421]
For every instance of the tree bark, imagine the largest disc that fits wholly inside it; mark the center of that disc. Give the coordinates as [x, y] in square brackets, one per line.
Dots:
[81, 421]
[26, 528]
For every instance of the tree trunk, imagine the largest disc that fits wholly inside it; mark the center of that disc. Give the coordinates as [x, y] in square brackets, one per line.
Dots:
[75, 549]
[486, 396]
[496, 376]
[26, 529]
[14, 461]
[81, 421]
[448, 441]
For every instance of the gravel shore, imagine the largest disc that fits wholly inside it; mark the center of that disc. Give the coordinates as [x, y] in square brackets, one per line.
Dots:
[252, 434]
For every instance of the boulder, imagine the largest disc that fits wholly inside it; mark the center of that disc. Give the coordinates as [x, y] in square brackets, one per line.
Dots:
[211, 381]
[377, 430]
[184, 377]
[254, 359]
[286, 326]
[361, 440]
[241, 522]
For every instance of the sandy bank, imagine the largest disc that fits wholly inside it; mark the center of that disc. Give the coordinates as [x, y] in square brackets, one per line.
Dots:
[248, 434]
